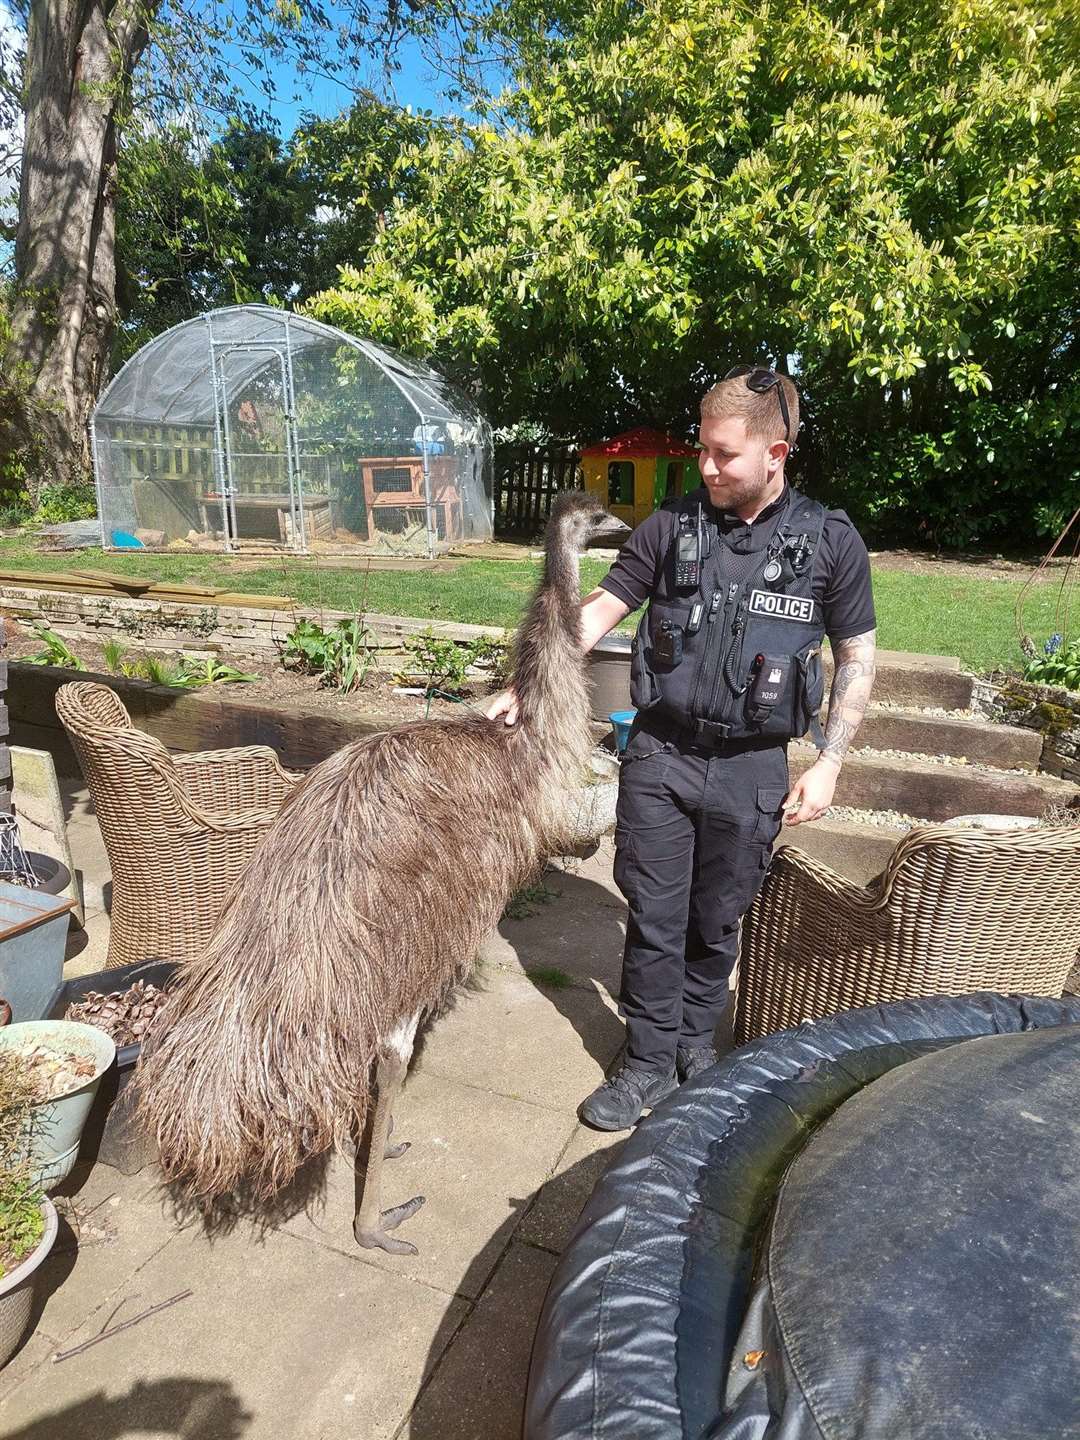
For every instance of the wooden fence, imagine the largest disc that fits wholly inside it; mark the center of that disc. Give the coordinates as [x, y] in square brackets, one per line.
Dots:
[527, 479]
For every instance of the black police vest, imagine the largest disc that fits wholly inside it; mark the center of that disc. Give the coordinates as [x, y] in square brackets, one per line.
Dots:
[739, 655]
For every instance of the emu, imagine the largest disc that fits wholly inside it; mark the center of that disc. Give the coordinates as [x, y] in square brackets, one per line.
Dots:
[361, 913]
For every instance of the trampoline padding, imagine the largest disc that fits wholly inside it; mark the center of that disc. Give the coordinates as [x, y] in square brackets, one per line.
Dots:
[645, 1308]
[924, 1258]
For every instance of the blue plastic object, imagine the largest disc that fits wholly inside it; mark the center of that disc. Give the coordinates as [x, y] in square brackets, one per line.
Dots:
[33, 932]
[123, 541]
[621, 721]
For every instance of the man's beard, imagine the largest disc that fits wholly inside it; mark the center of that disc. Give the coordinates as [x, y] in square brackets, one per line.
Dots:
[748, 491]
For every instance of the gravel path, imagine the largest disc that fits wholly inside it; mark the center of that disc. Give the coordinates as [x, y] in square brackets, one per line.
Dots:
[886, 819]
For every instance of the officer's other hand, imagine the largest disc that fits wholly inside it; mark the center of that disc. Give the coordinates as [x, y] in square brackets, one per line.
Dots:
[812, 793]
[505, 705]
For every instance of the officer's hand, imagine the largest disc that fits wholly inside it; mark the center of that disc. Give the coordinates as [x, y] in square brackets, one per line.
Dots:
[812, 793]
[505, 705]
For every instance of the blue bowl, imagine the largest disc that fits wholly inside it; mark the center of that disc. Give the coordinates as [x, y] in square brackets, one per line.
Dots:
[123, 541]
[621, 721]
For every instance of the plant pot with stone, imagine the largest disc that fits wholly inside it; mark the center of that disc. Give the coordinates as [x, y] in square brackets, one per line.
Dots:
[63, 1062]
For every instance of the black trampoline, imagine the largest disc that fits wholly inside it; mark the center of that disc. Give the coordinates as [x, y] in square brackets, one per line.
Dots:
[868, 1227]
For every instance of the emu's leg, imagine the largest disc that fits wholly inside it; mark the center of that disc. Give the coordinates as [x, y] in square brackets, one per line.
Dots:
[371, 1226]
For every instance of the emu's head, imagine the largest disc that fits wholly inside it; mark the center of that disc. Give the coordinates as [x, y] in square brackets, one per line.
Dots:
[578, 518]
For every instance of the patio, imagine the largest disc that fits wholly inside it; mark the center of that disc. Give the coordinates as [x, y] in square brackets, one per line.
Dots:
[290, 1329]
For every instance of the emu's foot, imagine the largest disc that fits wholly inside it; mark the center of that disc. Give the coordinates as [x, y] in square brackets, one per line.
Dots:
[395, 1152]
[377, 1237]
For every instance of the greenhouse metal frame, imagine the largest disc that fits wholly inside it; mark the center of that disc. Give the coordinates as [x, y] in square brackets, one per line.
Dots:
[254, 427]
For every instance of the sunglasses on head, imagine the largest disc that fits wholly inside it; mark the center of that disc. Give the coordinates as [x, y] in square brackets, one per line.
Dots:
[761, 379]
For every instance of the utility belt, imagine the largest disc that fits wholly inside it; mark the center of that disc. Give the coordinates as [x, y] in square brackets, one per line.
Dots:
[710, 735]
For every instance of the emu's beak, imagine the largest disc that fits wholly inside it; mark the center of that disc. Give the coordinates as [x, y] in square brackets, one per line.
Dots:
[611, 531]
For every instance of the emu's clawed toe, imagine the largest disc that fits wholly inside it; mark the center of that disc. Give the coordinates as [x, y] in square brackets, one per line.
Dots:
[377, 1237]
[395, 1152]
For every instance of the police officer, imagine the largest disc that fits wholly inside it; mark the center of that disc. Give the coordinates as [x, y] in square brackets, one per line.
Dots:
[743, 579]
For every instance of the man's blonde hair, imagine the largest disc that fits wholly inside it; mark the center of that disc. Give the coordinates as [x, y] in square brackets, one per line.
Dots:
[760, 411]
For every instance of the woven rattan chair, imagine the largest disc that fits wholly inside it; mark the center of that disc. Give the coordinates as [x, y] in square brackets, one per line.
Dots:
[954, 911]
[178, 829]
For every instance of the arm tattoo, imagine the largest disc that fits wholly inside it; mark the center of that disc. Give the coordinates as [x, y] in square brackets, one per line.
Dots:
[850, 693]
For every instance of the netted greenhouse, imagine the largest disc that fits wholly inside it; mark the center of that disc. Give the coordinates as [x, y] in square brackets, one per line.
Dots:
[251, 428]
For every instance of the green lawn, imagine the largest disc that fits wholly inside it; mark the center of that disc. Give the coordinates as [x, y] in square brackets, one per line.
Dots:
[972, 618]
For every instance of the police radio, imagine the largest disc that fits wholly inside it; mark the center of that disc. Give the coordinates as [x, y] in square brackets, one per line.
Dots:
[688, 555]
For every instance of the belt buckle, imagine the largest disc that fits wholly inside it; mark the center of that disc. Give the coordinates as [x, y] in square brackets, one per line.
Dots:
[711, 734]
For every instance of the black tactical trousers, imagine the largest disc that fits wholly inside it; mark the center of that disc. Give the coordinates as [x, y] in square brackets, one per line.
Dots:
[694, 834]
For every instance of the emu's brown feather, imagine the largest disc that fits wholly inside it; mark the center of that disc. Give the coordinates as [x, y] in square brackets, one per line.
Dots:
[366, 904]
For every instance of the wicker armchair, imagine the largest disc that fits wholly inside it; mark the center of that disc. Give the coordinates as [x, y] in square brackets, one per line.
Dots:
[178, 829]
[954, 911]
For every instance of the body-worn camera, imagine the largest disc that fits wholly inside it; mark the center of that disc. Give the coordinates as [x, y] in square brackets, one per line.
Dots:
[668, 644]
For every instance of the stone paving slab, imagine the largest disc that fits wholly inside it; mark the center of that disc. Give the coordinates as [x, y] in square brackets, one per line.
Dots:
[279, 1339]
[477, 1157]
[88, 948]
[580, 932]
[553, 1216]
[547, 1046]
[478, 1391]
[110, 1226]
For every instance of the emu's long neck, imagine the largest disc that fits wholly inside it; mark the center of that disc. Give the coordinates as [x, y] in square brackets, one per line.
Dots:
[549, 672]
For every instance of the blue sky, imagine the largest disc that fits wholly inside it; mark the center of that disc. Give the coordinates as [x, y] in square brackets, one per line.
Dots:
[414, 84]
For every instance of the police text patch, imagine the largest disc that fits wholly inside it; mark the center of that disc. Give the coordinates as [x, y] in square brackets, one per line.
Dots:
[782, 607]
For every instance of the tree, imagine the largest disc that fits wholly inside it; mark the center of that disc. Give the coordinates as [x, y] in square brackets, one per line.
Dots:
[886, 196]
[85, 66]
[203, 226]
[249, 217]
[79, 63]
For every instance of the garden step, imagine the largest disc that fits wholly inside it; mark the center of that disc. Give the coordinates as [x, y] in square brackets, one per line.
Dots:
[856, 849]
[902, 678]
[934, 789]
[915, 680]
[1008, 747]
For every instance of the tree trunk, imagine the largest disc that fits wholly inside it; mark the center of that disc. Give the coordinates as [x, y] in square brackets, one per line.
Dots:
[80, 57]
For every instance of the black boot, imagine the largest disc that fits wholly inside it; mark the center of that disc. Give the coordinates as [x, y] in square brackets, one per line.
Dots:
[619, 1102]
[691, 1060]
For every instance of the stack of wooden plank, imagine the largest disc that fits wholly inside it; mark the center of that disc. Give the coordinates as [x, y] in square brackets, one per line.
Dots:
[102, 582]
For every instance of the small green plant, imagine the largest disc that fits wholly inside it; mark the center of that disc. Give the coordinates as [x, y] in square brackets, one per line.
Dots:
[59, 503]
[15, 508]
[54, 651]
[114, 653]
[550, 976]
[445, 664]
[194, 673]
[160, 671]
[21, 1220]
[529, 898]
[1059, 664]
[342, 656]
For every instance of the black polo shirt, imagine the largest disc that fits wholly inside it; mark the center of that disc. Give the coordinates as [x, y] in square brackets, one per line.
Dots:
[841, 573]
